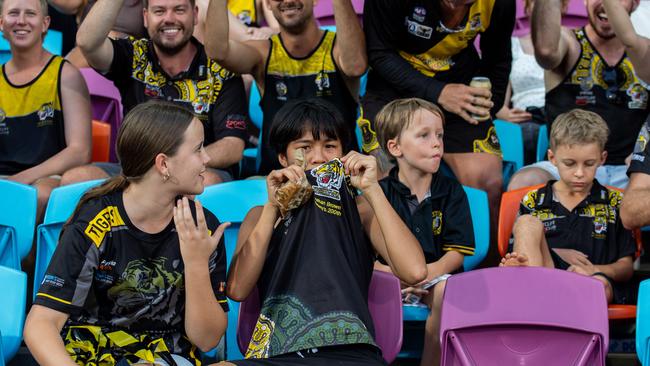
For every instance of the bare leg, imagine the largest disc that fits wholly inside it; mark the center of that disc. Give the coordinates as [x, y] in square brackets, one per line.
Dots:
[527, 177]
[223, 363]
[482, 171]
[44, 187]
[211, 178]
[530, 246]
[82, 174]
[431, 350]
[609, 291]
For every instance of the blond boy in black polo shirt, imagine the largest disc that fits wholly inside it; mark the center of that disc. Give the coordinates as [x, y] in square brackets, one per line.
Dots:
[574, 223]
[433, 206]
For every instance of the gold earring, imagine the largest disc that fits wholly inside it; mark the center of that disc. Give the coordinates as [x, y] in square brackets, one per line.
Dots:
[166, 177]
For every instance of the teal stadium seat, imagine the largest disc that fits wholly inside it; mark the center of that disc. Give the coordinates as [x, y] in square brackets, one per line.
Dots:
[542, 143]
[13, 287]
[643, 323]
[512, 146]
[478, 202]
[230, 202]
[53, 43]
[60, 207]
[17, 222]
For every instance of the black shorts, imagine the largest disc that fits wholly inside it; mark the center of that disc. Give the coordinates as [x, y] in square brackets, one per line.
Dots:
[621, 292]
[347, 355]
[460, 136]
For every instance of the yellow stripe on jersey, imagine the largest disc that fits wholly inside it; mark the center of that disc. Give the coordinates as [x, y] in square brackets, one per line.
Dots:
[282, 64]
[54, 298]
[458, 248]
[25, 100]
[438, 58]
[244, 10]
[102, 224]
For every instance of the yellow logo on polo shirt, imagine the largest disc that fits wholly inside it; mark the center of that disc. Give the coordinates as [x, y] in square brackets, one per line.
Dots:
[102, 224]
[437, 222]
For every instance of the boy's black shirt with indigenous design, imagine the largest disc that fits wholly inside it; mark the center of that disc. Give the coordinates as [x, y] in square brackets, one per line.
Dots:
[107, 273]
[593, 227]
[442, 222]
[314, 284]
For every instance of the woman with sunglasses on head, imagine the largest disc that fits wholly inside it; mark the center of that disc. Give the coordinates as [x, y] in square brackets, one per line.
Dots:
[139, 271]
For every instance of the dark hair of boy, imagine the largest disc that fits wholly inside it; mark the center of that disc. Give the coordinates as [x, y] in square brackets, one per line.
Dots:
[300, 115]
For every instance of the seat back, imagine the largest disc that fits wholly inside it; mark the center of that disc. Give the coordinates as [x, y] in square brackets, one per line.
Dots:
[384, 303]
[53, 43]
[480, 211]
[106, 103]
[60, 207]
[542, 143]
[230, 202]
[17, 222]
[512, 142]
[324, 12]
[101, 141]
[524, 315]
[13, 286]
[643, 323]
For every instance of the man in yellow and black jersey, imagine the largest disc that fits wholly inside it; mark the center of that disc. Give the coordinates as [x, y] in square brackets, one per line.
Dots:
[170, 65]
[591, 69]
[426, 49]
[44, 104]
[301, 61]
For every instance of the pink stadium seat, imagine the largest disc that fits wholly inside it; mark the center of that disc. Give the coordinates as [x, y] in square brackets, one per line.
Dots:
[384, 302]
[575, 17]
[106, 103]
[325, 13]
[524, 316]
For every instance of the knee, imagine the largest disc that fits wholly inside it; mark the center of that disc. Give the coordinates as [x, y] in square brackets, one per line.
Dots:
[82, 174]
[527, 177]
[44, 189]
[438, 293]
[528, 223]
[211, 178]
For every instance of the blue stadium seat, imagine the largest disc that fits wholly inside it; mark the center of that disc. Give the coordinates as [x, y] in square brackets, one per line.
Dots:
[60, 207]
[13, 287]
[542, 143]
[253, 155]
[481, 224]
[230, 202]
[643, 323]
[512, 146]
[17, 220]
[53, 42]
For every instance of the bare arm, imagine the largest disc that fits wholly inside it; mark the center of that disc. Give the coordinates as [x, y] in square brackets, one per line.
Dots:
[389, 235]
[240, 57]
[92, 36]
[225, 152]
[43, 338]
[636, 200]
[549, 39]
[267, 15]
[636, 47]
[254, 237]
[70, 7]
[205, 320]
[350, 47]
[75, 103]
[619, 271]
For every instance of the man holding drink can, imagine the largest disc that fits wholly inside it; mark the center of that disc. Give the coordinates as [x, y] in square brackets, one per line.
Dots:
[427, 49]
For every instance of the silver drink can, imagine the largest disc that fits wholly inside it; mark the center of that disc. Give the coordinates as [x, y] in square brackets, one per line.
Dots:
[481, 82]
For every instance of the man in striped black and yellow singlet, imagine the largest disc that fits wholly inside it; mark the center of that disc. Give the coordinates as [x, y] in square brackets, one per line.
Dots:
[301, 61]
[45, 116]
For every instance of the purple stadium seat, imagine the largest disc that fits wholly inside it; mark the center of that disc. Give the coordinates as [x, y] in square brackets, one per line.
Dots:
[575, 17]
[106, 103]
[324, 12]
[524, 316]
[384, 302]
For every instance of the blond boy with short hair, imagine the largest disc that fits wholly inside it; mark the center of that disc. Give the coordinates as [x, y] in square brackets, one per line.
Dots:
[574, 223]
[433, 206]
